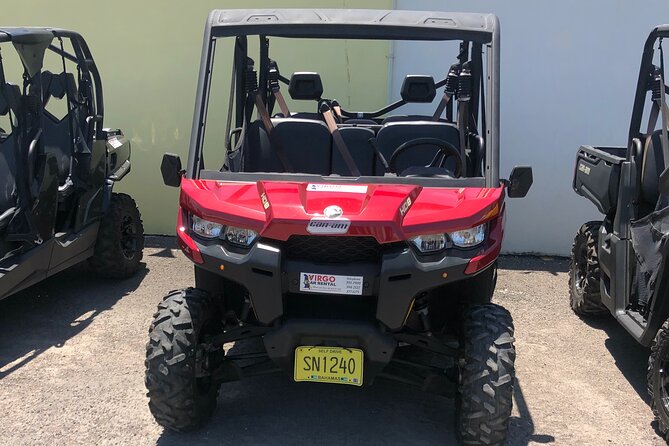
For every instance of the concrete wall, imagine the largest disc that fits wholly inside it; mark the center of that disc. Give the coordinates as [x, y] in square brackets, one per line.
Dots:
[148, 53]
[568, 76]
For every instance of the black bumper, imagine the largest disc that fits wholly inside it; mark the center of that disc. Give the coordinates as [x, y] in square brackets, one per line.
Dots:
[394, 281]
[378, 347]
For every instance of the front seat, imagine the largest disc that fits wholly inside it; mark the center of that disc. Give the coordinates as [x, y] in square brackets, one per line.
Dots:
[306, 143]
[362, 152]
[652, 167]
[56, 137]
[394, 134]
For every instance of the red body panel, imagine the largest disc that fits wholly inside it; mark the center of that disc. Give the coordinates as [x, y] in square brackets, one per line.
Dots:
[388, 212]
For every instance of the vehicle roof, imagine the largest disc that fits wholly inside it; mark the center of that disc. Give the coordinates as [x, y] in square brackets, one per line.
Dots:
[34, 34]
[354, 23]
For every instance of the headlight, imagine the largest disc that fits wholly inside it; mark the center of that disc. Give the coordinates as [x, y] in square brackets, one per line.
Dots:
[429, 243]
[469, 237]
[237, 236]
[240, 236]
[206, 228]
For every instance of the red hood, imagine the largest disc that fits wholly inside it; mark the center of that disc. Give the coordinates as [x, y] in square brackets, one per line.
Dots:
[387, 212]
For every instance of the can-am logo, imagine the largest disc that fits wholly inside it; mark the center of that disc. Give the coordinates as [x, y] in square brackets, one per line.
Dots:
[321, 225]
[333, 211]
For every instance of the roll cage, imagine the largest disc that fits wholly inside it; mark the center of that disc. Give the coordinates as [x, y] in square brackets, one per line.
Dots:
[636, 129]
[34, 131]
[31, 44]
[479, 43]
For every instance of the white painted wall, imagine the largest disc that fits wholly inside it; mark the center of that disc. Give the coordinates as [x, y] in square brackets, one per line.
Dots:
[568, 76]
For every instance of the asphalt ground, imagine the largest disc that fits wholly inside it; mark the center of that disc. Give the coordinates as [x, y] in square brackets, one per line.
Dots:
[72, 369]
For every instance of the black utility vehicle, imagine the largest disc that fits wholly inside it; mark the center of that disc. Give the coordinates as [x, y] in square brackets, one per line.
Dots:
[58, 165]
[619, 265]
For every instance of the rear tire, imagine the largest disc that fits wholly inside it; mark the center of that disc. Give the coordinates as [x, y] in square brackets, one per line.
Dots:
[120, 243]
[178, 399]
[485, 392]
[658, 379]
[584, 293]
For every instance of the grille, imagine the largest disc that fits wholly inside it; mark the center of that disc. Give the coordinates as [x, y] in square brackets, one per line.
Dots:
[329, 249]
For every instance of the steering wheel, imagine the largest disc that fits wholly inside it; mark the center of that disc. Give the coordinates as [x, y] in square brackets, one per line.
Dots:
[446, 149]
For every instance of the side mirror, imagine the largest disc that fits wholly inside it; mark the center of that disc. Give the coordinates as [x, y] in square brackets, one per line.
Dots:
[520, 181]
[171, 169]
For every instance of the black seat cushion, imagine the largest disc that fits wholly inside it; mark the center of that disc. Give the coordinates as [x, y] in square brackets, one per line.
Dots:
[394, 134]
[362, 152]
[306, 143]
[653, 165]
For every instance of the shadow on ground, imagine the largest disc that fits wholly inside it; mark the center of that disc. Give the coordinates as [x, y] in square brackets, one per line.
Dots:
[165, 243]
[631, 357]
[272, 410]
[48, 314]
[521, 427]
[530, 264]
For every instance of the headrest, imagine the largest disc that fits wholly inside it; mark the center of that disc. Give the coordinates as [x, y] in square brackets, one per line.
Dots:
[418, 88]
[4, 104]
[57, 85]
[305, 86]
[10, 96]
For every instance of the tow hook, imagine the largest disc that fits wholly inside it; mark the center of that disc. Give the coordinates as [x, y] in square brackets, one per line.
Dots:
[421, 307]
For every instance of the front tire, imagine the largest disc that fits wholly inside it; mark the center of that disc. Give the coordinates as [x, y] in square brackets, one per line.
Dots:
[179, 399]
[120, 243]
[584, 291]
[658, 379]
[487, 373]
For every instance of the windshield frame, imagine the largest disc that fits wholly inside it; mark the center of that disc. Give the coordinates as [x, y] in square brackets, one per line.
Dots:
[488, 36]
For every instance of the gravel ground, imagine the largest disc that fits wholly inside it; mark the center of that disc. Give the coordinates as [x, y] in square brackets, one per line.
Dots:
[72, 352]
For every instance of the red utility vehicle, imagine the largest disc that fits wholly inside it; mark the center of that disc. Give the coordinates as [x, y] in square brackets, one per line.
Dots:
[356, 244]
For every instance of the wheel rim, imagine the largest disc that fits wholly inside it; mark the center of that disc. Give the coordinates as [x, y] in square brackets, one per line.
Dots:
[128, 237]
[580, 272]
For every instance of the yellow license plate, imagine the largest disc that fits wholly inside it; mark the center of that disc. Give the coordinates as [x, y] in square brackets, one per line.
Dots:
[335, 365]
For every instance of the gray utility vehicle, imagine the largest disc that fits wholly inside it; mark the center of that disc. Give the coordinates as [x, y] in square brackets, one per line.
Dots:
[354, 244]
[619, 265]
[57, 171]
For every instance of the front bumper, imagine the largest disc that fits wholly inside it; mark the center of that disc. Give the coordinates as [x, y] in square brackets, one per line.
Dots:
[378, 347]
[394, 281]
